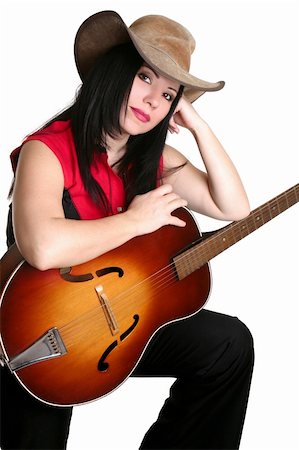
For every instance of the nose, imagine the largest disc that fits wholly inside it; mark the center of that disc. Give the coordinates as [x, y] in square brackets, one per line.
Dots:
[153, 99]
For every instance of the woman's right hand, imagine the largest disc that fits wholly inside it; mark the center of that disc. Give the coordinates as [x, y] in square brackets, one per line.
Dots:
[154, 209]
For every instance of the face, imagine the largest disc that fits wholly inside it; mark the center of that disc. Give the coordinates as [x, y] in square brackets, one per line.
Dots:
[149, 101]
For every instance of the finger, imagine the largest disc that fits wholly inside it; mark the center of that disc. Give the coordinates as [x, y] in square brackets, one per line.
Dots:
[170, 197]
[177, 222]
[173, 128]
[177, 203]
[164, 189]
[171, 122]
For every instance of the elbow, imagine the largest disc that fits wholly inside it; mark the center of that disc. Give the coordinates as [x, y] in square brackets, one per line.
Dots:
[40, 262]
[241, 213]
[236, 211]
[37, 256]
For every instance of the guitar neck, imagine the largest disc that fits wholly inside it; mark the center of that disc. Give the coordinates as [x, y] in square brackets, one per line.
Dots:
[202, 252]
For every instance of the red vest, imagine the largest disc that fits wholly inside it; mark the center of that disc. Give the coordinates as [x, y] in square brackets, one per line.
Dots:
[58, 137]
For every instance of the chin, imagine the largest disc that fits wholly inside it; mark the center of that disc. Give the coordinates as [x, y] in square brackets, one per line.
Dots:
[134, 127]
[135, 130]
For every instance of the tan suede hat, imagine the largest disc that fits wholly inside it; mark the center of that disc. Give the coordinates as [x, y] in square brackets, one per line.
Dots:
[164, 44]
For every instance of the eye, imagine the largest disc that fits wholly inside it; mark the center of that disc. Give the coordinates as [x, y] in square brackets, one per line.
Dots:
[144, 77]
[168, 97]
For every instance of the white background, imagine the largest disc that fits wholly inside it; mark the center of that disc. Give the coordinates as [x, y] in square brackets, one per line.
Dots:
[253, 46]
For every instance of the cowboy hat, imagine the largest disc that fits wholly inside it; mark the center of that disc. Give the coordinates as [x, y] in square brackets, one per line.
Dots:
[164, 44]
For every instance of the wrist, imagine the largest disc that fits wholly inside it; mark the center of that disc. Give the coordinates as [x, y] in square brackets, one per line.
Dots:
[132, 225]
[199, 128]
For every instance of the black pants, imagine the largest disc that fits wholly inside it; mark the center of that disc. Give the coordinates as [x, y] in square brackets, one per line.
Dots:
[211, 357]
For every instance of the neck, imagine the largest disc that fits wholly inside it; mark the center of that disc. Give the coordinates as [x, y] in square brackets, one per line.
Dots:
[116, 147]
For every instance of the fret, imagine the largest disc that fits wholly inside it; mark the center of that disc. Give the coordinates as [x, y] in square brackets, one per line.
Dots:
[194, 258]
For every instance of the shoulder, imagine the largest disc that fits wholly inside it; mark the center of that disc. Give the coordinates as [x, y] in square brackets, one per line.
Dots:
[57, 136]
[53, 145]
[37, 158]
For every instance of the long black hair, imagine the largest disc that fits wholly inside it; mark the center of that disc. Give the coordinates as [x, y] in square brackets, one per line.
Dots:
[95, 114]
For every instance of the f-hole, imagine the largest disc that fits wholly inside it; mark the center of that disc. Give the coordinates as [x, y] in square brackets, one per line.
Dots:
[65, 273]
[102, 364]
[131, 328]
[106, 270]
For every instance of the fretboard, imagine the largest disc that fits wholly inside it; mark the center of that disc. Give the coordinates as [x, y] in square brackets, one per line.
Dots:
[202, 252]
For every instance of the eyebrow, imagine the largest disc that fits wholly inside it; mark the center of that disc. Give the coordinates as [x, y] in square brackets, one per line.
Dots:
[158, 76]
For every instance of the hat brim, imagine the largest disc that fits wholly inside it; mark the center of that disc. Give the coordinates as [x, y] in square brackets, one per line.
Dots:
[104, 30]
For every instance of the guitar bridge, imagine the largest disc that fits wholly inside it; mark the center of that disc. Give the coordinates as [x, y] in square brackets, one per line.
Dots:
[50, 345]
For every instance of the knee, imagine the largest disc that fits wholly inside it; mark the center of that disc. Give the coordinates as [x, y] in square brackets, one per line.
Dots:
[240, 340]
[236, 354]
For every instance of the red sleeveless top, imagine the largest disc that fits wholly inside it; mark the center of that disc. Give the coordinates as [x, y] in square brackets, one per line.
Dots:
[58, 137]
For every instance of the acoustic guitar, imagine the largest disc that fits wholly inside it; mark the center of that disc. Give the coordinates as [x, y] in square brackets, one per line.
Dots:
[74, 334]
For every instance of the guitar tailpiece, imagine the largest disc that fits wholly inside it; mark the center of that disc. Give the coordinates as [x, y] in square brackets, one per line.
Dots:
[48, 346]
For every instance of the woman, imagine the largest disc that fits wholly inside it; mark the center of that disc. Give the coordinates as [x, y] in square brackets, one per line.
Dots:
[100, 174]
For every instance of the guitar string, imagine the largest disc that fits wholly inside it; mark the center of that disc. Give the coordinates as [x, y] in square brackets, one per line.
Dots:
[134, 287]
[153, 287]
[126, 305]
[164, 282]
[99, 319]
[119, 308]
[95, 316]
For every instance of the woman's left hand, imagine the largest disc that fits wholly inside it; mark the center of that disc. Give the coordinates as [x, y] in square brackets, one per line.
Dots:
[185, 116]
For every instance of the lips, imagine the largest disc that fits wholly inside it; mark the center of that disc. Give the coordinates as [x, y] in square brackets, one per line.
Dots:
[141, 115]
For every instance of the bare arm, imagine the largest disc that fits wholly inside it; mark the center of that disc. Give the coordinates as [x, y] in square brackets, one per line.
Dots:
[217, 193]
[47, 239]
